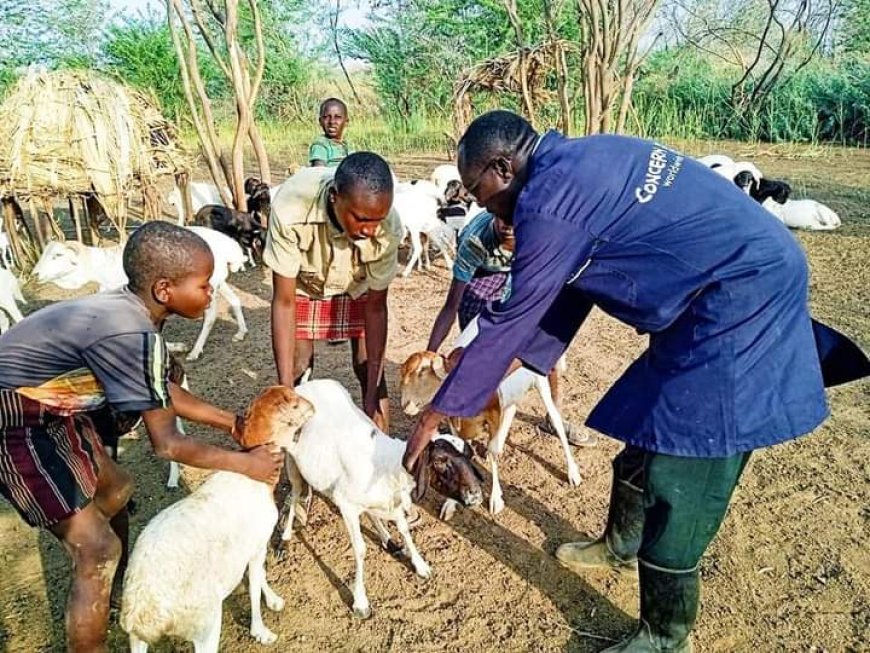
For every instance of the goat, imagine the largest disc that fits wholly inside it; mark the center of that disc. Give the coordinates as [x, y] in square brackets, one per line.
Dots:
[421, 376]
[344, 456]
[447, 465]
[192, 555]
[201, 194]
[71, 265]
[804, 214]
[417, 206]
[242, 227]
[260, 198]
[443, 174]
[10, 293]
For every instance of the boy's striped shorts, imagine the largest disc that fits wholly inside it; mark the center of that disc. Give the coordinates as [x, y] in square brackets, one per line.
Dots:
[48, 463]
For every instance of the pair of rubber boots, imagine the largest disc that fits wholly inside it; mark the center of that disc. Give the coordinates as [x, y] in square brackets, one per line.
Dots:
[668, 599]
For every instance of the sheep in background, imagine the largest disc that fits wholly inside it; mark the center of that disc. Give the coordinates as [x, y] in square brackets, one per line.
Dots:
[71, 265]
[344, 456]
[777, 191]
[417, 205]
[10, 293]
[804, 214]
[443, 174]
[244, 228]
[742, 173]
[192, 555]
[201, 194]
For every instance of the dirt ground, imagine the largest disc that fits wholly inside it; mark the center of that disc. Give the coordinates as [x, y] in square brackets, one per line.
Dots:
[789, 571]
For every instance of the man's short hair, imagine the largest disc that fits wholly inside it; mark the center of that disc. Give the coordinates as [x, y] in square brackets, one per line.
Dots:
[160, 250]
[363, 170]
[332, 100]
[495, 133]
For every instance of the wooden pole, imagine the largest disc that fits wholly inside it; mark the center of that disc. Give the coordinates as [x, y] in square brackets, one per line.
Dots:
[74, 214]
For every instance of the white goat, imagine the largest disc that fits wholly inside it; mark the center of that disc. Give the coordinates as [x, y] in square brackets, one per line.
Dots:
[192, 555]
[10, 293]
[443, 174]
[417, 206]
[343, 455]
[71, 265]
[421, 376]
[804, 214]
[201, 194]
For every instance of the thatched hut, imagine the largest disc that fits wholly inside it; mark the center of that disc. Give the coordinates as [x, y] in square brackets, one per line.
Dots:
[76, 136]
[504, 75]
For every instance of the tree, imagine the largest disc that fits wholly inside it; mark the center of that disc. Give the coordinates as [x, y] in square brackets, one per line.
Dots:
[51, 33]
[766, 42]
[218, 26]
[139, 51]
[610, 57]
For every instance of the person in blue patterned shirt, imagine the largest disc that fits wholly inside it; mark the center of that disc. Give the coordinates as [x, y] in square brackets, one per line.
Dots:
[481, 276]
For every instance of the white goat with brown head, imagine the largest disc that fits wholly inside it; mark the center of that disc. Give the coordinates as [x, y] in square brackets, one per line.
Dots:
[192, 555]
[344, 456]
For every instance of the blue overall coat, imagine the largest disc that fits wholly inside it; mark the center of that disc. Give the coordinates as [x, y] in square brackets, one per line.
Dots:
[664, 244]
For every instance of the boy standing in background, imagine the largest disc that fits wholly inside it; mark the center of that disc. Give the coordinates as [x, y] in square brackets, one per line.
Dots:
[330, 148]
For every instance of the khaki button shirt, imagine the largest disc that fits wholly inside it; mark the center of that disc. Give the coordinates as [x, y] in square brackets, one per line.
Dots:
[302, 242]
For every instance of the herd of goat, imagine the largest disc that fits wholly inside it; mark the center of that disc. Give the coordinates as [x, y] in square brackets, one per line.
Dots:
[332, 446]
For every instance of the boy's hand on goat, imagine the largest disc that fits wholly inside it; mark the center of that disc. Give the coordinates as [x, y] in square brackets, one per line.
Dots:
[264, 463]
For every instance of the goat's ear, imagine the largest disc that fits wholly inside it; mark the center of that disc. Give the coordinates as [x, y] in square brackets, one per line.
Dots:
[421, 476]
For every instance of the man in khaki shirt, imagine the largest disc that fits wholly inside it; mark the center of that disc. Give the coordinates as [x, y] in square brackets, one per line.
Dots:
[332, 246]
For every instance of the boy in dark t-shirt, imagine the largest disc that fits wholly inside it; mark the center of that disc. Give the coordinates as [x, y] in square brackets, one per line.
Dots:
[74, 357]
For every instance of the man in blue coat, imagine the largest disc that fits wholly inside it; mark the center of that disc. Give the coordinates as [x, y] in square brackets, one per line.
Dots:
[663, 244]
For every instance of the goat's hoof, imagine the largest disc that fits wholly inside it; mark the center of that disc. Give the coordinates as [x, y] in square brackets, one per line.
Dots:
[574, 478]
[423, 569]
[172, 485]
[176, 347]
[275, 604]
[240, 335]
[496, 504]
[362, 612]
[192, 356]
[263, 635]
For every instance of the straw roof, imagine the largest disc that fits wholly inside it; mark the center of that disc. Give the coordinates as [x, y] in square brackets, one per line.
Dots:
[502, 75]
[70, 133]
